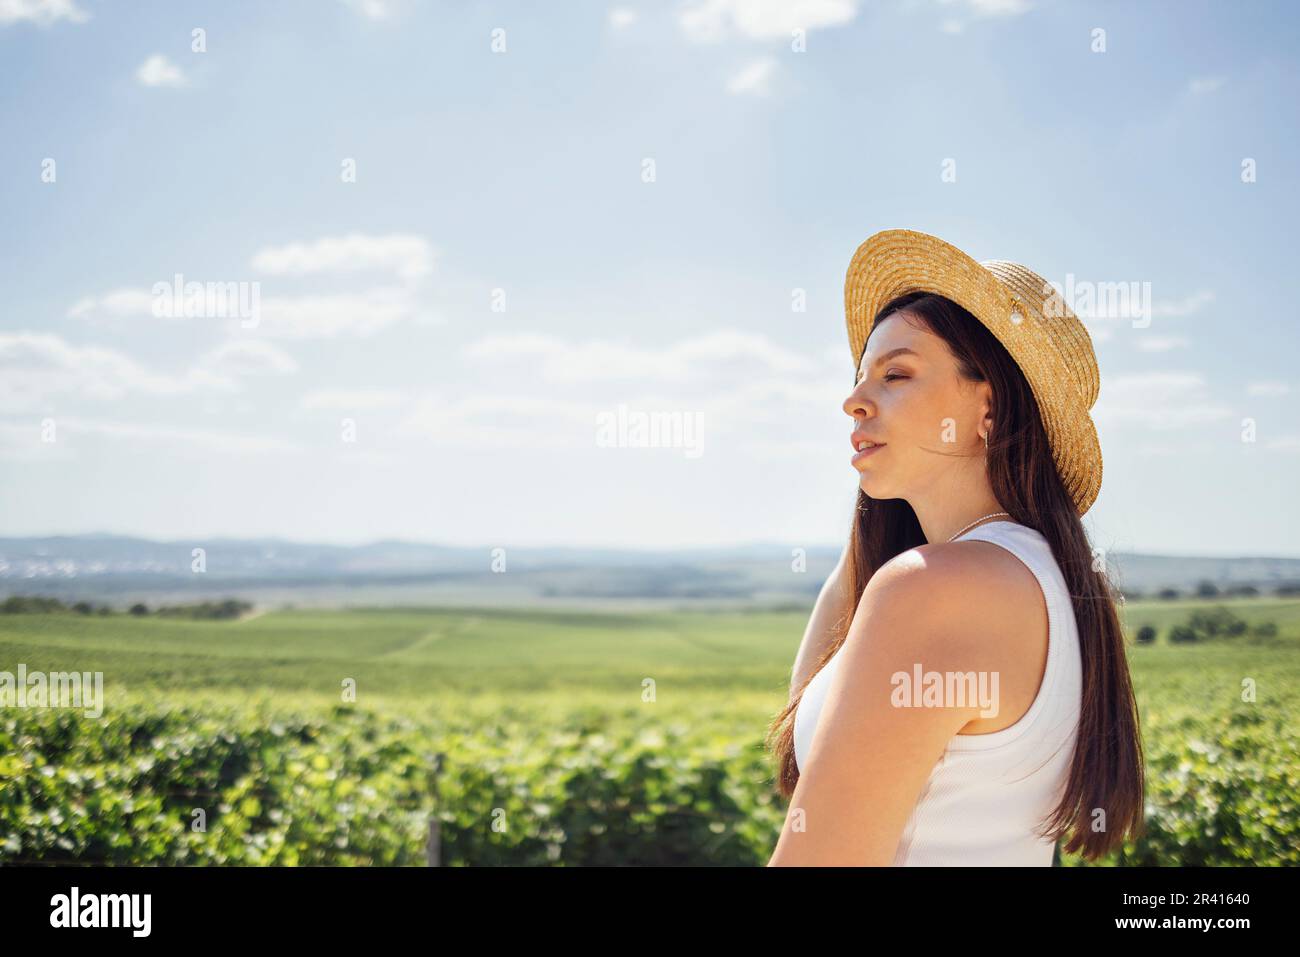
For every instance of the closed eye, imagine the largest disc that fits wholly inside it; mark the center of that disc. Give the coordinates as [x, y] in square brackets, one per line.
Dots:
[888, 378]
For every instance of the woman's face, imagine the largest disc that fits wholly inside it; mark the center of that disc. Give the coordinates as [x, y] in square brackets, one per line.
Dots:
[911, 401]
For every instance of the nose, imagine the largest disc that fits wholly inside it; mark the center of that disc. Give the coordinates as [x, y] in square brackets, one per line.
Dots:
[855, 405]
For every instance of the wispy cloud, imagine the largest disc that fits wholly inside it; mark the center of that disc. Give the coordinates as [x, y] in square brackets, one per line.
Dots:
[1182, 307]
[961, 13]
[756, 396]
[40, 12]
[1200, 85]
[207, 438]
[1160, 343]
[495, 421]
[406, 256]
[331, 317]
[754, 79]
[249, 357]
[559, 361]
[1268, 388]
[342, 400]
[765, 417]
[371, 9]
[1159, 400]
[325, 316]
[1125, 299]
[37, 366]
[403, 260]
[113, 304]
[710, 21]
[620, 18]
[999, 8]
[159, 71]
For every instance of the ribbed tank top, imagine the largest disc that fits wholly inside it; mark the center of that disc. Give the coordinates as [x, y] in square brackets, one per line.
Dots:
[984, 797]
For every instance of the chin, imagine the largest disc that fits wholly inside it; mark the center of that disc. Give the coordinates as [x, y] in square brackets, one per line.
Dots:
[871, 486]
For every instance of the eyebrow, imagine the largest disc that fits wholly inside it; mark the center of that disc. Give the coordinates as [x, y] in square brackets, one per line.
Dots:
[901, 350]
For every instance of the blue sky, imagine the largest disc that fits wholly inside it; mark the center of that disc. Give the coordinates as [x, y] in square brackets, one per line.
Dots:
[438, 335]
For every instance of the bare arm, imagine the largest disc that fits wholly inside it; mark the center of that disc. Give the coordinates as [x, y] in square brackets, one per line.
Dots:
[869, 758]
[834, 603]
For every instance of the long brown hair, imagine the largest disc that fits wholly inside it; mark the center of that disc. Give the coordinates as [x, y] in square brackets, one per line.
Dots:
[1107, 771]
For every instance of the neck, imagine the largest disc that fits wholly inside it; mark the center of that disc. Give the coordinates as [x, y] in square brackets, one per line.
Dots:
[941, 520]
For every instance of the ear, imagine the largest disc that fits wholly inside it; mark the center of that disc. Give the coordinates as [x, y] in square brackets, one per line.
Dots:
[986, 408]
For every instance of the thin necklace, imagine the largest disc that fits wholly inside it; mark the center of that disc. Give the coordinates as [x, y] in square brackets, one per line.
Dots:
[978, 520]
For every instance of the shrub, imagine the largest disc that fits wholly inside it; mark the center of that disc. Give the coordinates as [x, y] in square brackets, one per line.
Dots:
[31, 604]
[1217, 622]
[350, 787]
[208, 610]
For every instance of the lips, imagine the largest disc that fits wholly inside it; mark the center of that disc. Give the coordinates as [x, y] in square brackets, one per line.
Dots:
[857, 438]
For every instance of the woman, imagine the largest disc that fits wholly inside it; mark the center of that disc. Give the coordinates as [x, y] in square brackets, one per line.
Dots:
[962, 695]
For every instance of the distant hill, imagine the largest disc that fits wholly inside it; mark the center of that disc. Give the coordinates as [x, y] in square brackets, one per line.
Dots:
[120, 570]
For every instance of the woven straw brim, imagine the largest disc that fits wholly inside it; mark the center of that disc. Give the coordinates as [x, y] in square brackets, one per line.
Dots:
[1049, 343]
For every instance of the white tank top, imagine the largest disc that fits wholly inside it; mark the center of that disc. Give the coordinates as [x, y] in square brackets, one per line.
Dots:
[988, 791]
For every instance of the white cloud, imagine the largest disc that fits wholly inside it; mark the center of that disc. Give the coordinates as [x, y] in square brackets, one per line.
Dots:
[1200, 85]
[406, 256]
[1182, 307]
[972, 10]
[36, 366]
[999, 8]
[326, 316]
[1268, 388]
[159, 71]
[1158, 400]
[753, 396]
[838, 356]
[220, 441]
[560, 361]
[620, 18]
[753, 79]
[1151, 450]
[499, 420]
[25, 440]
[40, 12]
[1160, 343]
[1107, 300]
[366, 400]
[247, 357]
[371, 9]
[331, 317]
[764, 417]
[116, 303]
[708, 21]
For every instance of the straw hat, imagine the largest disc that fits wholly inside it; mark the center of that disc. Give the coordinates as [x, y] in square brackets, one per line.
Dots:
[1027, 315]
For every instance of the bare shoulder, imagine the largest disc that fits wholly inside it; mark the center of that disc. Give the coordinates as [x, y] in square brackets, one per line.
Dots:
[951, 580]
[970, 604]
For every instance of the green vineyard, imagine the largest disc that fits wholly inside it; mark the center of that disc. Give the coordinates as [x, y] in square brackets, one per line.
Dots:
[479, 737]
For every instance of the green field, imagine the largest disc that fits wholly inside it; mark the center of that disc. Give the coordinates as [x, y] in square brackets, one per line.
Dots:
[569, 738]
